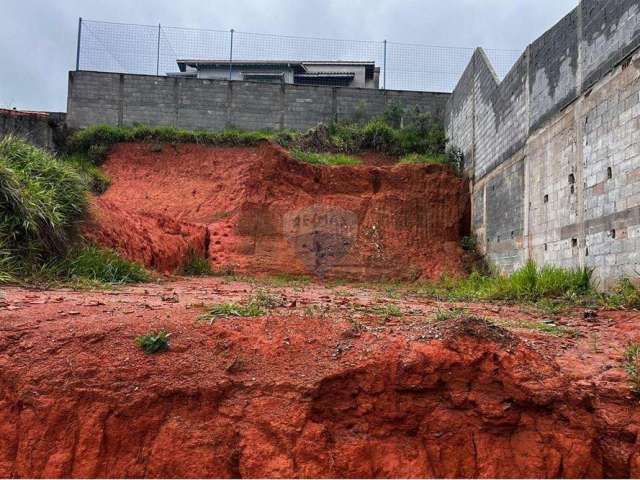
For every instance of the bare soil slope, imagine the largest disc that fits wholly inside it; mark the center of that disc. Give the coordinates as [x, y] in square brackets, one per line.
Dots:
[256, 210]
[319, 388]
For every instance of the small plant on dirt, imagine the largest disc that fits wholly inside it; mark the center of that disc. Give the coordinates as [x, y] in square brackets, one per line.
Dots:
[624, 295]
[265, 299]
[195, 265]
[220, 310]
[387, 311]
[154, 342]
[227, 270]
[442, 315]
[632, 366]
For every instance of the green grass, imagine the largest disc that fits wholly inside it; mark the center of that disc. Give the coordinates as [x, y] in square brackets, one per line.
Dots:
[255, 306]
[387, 311]
[94, 141]
[632, 366]
[442, 315]
[624, 295]
[265, 299]
[397, 132]
[530, 283]
[101, 265]
[93, 176]
[195, 265]
[42, 200]
[249, 309]
[154, 342]
[329, 159]
[417, 158]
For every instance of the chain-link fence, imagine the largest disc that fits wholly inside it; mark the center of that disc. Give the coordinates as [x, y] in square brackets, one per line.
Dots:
[162, 50]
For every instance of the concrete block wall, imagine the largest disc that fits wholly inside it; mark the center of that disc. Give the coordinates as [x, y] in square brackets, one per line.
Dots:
[553, 150]
[123, 99]
[43, 129]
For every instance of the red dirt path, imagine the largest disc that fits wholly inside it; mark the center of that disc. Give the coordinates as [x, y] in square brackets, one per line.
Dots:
[321, 388]
[258, 211]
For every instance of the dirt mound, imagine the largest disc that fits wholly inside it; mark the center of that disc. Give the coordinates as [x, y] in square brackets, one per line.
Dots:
[297, 395]
[265, 212]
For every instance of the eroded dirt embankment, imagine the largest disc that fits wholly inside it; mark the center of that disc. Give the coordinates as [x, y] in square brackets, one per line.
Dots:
[335, 393]
[255, 210]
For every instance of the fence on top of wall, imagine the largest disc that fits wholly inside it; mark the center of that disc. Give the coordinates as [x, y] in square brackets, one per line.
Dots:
[155, 49]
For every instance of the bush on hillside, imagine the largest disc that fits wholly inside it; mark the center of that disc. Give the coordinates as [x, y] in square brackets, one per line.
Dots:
[42, 199]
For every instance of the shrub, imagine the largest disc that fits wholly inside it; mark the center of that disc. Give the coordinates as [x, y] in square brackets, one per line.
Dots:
[42, 199]
[379, 136]
[195, 265]
[154, 342]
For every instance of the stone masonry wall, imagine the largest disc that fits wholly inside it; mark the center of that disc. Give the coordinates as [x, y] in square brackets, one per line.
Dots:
[123, 99]
[553, 150]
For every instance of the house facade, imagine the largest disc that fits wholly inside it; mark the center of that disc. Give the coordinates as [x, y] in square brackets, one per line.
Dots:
[327, 73]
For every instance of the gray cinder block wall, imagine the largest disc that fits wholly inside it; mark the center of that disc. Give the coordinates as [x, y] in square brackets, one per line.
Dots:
[43, 129]
[190, 103]
[553, 150]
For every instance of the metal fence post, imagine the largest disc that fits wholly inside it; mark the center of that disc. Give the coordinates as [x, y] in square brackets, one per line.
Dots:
[384, 67]
[158, 54]
[78, 44]
[230, 54]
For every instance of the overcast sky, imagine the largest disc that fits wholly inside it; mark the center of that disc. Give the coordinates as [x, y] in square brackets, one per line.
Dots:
[38, 37]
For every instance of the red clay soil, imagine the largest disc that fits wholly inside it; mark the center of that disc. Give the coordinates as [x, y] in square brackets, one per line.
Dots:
[320, 388]
[256, 210]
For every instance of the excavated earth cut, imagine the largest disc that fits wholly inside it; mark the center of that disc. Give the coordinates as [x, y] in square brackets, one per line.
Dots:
[298, 394]
[256, 210]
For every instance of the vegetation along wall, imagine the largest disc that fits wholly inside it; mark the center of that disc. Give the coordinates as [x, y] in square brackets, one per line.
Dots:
[190, 103]
[553, 150]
